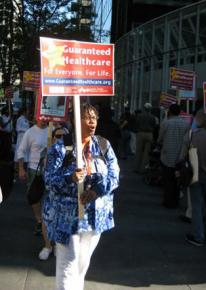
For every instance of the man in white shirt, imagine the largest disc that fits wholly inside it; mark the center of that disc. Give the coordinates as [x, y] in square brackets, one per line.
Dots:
[33, 143]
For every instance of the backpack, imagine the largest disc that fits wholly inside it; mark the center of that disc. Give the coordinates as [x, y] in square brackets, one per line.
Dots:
[103, 145]
[188, 167]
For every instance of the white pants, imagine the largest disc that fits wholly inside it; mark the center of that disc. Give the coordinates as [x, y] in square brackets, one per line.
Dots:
[73, 260]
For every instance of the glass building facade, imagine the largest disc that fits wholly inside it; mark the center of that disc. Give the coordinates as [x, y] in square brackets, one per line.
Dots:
[145, 55]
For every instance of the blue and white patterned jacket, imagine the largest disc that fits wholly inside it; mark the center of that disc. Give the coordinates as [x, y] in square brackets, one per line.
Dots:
[60, 207]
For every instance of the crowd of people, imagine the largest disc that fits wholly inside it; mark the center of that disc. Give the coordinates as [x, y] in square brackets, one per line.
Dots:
[171, 138]
[104, 141]
[139, 133]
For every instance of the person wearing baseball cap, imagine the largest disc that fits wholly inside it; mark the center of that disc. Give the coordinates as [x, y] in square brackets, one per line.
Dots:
[147, 106]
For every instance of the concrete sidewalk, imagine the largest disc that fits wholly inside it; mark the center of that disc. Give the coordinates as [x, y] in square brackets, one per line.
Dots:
[146, 250]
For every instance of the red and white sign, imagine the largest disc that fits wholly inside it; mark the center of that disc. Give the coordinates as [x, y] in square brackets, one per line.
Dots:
[9, 92]
[52, 109]
[76, 68]
[181, 79]
[31, 80]
[166, 100]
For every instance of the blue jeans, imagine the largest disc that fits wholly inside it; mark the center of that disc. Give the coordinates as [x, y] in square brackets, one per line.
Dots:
[198, 191]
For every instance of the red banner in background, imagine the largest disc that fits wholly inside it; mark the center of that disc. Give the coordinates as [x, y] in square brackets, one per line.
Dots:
[73, 67]
[9, 92]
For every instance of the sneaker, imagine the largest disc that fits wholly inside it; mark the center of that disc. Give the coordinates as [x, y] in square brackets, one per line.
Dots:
[45, 253]
[190, 239]
[38, 229]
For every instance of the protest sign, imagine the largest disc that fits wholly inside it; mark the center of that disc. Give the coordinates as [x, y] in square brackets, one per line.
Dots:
[181, 79]
[76, 68]
[31, 80]
[166, 100]
[9, 91]
[52, 109]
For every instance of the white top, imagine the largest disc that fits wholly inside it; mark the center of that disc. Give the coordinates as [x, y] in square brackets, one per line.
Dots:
[22, 124]
[33, 143]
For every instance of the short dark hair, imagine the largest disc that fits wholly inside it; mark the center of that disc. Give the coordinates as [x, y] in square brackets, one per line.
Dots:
[84, 108]
[174, 109]
[87, 108]
[59, 128]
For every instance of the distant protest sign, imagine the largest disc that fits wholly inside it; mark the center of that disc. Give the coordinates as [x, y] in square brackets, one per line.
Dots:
[52, 109]
[31, 80]
[9, 91]
[76, 68]
[166, 100]
[181, 79]
[187, 95]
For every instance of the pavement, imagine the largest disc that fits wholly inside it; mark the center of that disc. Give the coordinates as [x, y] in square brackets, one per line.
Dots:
[146, 249]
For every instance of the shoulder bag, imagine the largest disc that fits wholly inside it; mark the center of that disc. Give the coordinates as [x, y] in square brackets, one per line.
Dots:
[37, 186]
[188, 168]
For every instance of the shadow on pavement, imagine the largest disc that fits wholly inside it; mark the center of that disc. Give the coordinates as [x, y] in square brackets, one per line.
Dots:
[146, 247]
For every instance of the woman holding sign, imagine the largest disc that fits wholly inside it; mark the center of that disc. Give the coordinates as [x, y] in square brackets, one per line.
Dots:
[76, 239]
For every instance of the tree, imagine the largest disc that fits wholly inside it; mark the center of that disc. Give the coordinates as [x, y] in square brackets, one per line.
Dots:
[38, 19]
[9, 48]
[23, 22]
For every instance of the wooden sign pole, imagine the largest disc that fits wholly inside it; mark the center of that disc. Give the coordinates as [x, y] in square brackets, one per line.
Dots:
[78, 136]
[35, 105]
[49, 142]
[9, 107]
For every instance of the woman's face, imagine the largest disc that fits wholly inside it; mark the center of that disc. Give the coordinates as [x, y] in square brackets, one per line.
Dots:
[59, 133]
[88, 123]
